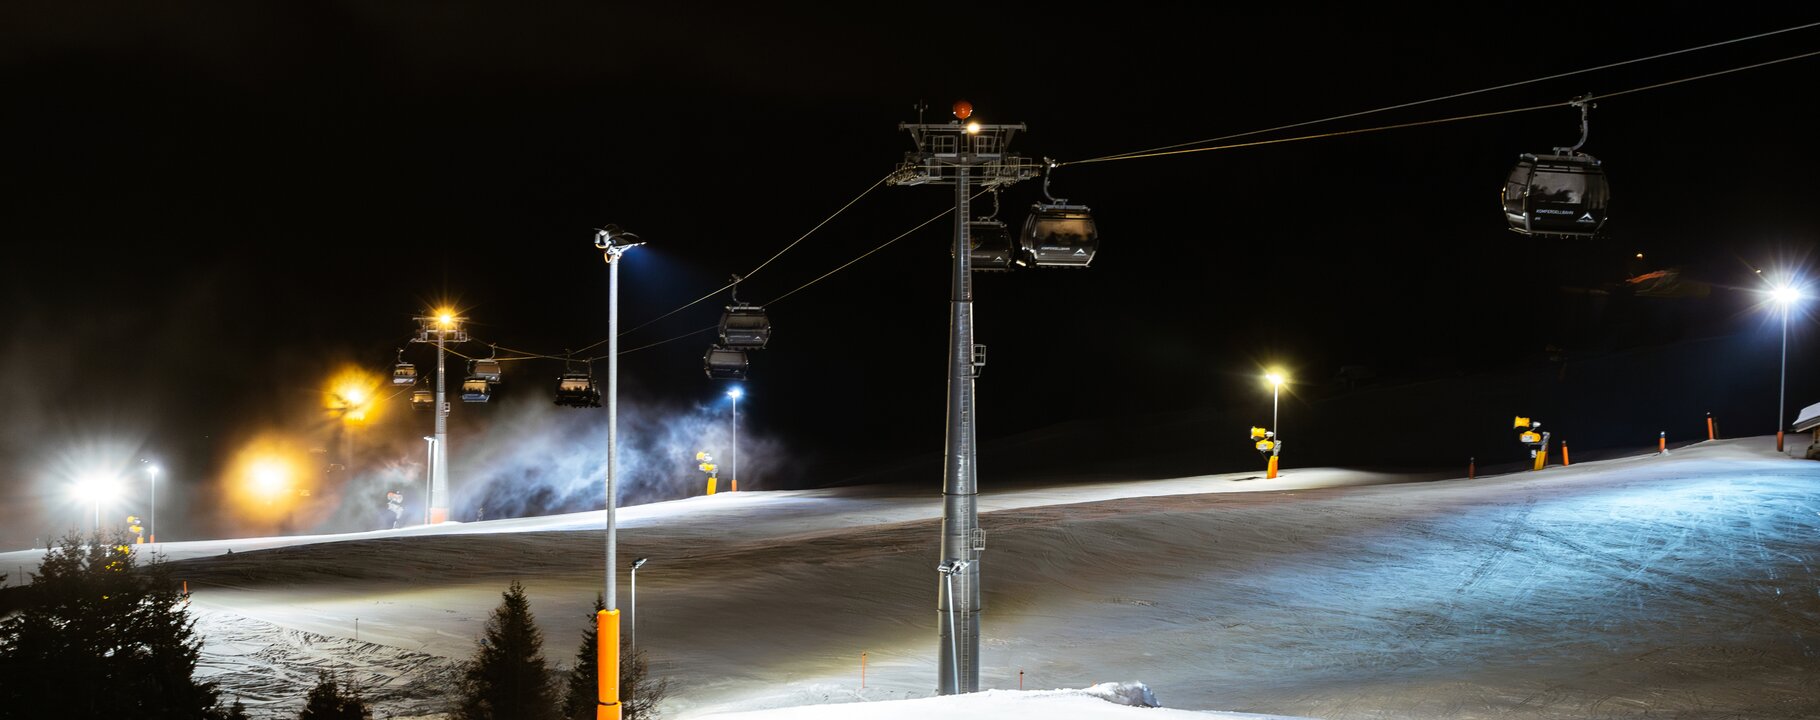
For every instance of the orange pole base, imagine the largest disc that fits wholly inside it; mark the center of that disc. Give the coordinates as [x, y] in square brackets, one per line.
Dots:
[1271, 473]
[1565, 461]
[1541, 459]
[606, 658]
[439, 515]
[711, 483]
[1709, 428]
[1778, 441]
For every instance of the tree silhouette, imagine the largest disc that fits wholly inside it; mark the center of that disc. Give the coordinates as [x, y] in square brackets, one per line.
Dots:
[330, 700]
[95, 636]
[507, 679]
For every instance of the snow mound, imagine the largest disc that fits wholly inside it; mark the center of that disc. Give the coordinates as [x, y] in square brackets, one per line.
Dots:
[1134, 694]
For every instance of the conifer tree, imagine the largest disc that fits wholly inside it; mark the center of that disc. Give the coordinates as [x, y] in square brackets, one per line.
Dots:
[330, 700]
[507, 679]
[639, 693]
[98, 637]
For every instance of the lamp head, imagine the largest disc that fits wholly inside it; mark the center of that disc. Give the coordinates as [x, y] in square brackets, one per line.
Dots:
[636, 564]
[735, 393]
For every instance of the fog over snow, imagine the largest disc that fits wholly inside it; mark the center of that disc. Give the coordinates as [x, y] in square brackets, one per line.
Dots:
[1677, 585]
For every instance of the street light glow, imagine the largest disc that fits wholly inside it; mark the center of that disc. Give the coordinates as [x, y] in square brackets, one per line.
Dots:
[1275, 378]
[1786, 294]
[96, 488]
[735, 393]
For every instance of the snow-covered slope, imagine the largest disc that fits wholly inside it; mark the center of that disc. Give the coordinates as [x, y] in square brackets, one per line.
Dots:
[1646, 584]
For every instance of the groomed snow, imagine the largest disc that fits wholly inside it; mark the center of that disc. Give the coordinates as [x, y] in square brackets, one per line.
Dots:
[1648, 584]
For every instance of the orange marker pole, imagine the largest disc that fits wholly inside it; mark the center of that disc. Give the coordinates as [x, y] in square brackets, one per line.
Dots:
[1662, 442]
[732, 484]
[862, 671]
[1271, 473]
[1564, 459]
[1778, 441]
[606, 659]
[1710, 435]
[1020, 679]
[1472, 468]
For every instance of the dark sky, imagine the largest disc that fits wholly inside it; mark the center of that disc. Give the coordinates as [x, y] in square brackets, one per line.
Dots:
[212, 205]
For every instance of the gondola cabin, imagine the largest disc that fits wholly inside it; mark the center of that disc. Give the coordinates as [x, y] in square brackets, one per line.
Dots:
[744, 327]
[1059, 235]
[476, 389]
[404, 373]
[423, 399]
[993, 248]
[577, 389]
[1561, 195]
[724, 364]
[487, 370]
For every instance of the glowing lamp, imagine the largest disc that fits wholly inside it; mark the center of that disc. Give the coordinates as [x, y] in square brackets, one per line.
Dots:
[1786, 294]
[735, 393]
[1275, 379]
[96, 488]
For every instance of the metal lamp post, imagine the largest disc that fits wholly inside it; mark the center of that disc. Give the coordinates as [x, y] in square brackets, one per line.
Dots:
[1786, 296]
[613, 243]
[733, 461]
[1276, 386]
[636, 564]
[429, 474]
[152, 472]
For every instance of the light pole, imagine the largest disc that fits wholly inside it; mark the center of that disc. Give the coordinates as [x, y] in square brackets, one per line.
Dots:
[1786, 296]
[733, 462]
[1276, 385]
[152, 472]
[612, 242]
[636, 564]
[429, 474]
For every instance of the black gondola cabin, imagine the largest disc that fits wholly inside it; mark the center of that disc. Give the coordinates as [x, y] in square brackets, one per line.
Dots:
[1563, 195]
[1059, 235]
[724, 364]
[744, 327]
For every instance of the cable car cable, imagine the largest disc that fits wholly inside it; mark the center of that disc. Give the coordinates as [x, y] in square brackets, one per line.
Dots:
[761, 266]
[1400, 106]
[1438, 121]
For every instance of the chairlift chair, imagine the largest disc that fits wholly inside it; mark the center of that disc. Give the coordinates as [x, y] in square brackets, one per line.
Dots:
[404, 373]
[724, 364]
[487, 369]
[1059, 235]
[744, 327]
[423, 399]
[476, 389]
[993, 250]
[577, 389]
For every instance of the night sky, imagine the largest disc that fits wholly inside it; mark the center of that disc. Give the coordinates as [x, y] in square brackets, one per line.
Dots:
[213, 206]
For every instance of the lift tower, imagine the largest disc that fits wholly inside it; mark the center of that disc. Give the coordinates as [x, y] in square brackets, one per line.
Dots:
[971, 157]
[442, 328]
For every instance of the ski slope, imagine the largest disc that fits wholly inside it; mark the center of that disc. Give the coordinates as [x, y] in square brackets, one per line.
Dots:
[1678, 584]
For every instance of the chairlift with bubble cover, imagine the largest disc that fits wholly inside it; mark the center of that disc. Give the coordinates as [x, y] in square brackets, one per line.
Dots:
[476, 389]
[576, 388]
[486, 368]
[1560, 194]
[403, 373]
[1058, 234]
[423, 399]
